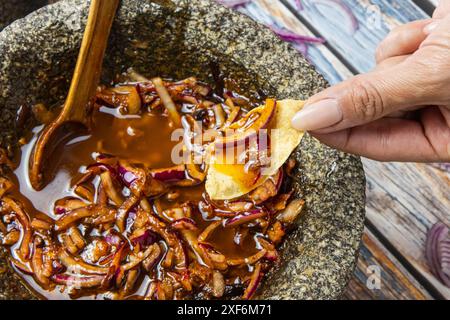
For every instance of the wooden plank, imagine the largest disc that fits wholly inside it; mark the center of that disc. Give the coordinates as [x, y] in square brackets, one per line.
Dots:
[395, 222]
[375, 19]
[380, 276]
[271, 12]
[427, 5]
[390, 222]
[408, 239]
[403, 202]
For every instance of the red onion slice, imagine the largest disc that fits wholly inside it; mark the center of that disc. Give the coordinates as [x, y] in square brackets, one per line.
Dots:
[60, 211]
[442, 166]
[24, 248]
[167, 101]
[302, 48]
[21, 266]
[444, 249]
[76, 281]
[234, 4]
[75, 264]
[113, 238]
[245, 217]
[240, 205]
[101, 167]
[294, 37]
[251, 132]
[173, 174]
[254, 283]
[127, 176]
[184, 224]
[292, 211]
[437, 240]
[146, 239]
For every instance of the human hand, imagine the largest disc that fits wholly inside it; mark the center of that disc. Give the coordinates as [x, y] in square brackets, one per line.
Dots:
[401, 110]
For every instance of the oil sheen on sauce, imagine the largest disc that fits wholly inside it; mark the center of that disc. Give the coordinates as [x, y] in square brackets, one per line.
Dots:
[142, 139]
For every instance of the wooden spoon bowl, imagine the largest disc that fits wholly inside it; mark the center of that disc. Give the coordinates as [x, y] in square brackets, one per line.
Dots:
[73, 119]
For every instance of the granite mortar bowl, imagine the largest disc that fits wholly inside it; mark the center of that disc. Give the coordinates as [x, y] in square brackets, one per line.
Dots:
[181, 38]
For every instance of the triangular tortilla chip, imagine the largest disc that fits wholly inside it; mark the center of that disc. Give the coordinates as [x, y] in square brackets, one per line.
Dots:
[226, 182]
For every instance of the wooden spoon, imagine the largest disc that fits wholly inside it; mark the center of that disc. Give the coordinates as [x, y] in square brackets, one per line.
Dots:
[73, 119]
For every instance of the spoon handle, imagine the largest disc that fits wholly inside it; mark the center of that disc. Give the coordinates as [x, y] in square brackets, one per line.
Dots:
[90, 59]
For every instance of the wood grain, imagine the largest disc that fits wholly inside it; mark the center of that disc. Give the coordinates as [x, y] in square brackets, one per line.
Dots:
[375, 19]
[271, 12]
[396, 283]
[403, 201]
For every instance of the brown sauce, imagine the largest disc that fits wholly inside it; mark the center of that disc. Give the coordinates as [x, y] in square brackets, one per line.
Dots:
[145, 139]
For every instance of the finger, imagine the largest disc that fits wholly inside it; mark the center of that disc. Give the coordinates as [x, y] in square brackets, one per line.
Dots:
[445, 110]
[391, 62]
[385, 140]
[442, 10]
[363, 99]
[437, 33]
[437, 130]
[403, 40]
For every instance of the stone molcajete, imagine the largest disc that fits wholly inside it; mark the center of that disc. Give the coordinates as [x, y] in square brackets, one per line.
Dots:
[178, 39]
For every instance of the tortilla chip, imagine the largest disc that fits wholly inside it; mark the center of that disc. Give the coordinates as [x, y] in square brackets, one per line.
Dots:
[228, 181]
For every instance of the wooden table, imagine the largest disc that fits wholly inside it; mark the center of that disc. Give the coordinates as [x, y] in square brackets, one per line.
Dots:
[403, 200]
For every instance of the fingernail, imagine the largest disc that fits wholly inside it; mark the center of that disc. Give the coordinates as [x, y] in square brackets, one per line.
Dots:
[319, 115]
[430, 27]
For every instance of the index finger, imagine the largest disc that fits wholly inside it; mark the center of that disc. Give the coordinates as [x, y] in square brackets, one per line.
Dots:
[442, 10]
[403, 40]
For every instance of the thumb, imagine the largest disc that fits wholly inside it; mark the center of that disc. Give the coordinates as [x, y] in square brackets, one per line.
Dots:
[362, 99]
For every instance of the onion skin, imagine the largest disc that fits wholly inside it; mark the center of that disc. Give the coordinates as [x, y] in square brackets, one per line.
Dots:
[80, 282]
[173, 174]
[294, 37]
[146, 239]
[60, 211]
[438, 234]
[113, 239]
[127, 177]
[234, 4]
